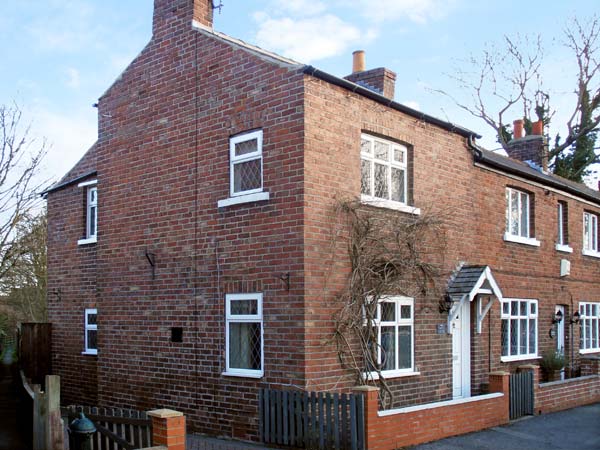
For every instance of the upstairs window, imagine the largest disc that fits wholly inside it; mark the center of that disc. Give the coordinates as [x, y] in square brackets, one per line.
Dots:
[519, 217]
[590, 327]
[91, 213]
[91, 332]
[590, 234]
[244, 335]
[245, 153]
[519, 329]
[562, 222]
[384, 174]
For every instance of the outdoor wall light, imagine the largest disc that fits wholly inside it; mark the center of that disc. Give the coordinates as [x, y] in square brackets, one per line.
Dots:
[558, 317]
[576, 317]
[445, 304]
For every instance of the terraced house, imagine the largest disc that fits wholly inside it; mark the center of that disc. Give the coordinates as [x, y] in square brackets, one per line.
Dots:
[196, 252]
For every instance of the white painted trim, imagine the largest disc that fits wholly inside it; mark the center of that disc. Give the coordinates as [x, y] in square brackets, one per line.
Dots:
[257, 197]
[460, 401]
[87, 183]
[240, 374]
[90, 352]
[520, 357]
[389, 204]
[89, 327]
[248, 157]
[86, 241]
[521, 240]
[592, 253]
[563, 248]
[539, 185]
[589, 350]
[390, 374]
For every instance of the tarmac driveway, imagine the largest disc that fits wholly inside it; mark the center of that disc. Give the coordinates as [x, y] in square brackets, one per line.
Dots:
[577, 428]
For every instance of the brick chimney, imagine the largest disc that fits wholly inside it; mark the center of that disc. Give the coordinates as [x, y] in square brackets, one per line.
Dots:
[533, 147]
[380, 80]
[171, 14]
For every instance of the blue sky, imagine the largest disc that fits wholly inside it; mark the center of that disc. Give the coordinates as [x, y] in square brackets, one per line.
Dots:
[59, 56]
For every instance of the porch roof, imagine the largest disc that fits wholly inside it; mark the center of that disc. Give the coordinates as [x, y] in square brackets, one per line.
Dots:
[473, 280]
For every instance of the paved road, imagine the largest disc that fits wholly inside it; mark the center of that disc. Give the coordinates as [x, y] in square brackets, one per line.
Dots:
[577, 428]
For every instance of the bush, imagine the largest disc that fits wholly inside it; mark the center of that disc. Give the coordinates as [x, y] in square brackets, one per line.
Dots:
[553, 361]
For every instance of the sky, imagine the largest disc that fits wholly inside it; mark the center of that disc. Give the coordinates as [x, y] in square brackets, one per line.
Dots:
[59, 56]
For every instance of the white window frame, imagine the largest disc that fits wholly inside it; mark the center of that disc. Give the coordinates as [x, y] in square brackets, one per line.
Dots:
[399, 322]
[589, 327]
[233, 159]
[562, 241]
[249, 318]
[89, 327]
[590, 234]
[90, 186]
[523, 235]
[389, 163]
[519, 317]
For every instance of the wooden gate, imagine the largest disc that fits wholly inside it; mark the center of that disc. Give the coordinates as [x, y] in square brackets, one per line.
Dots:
[312, 420]
[521, 394]
[117, 429]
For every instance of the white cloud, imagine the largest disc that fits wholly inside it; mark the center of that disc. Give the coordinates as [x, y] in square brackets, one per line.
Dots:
[298, 7]
[412, 104]
[73, 78]
[307, 39]
[419, 11]
[68, 136]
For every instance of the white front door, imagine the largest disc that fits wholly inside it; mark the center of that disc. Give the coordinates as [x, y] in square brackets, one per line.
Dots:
[461, 352]
[560, 330]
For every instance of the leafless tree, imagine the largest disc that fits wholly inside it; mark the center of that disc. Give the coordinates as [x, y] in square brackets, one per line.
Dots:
[494, 86]
[20, 159]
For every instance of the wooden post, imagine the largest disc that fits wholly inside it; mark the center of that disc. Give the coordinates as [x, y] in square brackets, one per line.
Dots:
[39, 418]
[54, 424]
[168, 428]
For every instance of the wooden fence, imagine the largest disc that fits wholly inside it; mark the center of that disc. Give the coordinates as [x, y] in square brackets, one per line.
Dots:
[39, 413]
[35, 350]
[116, 428]
[312, 420]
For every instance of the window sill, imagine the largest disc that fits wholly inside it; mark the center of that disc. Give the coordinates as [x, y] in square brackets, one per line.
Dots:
[90, 352]
[563, 248]
[256, 197]
[389, 204]
[518, 358]
[521, 240]
[243, 374]
[87, 241]
[390, 374]
[592, 253]
[587, 351]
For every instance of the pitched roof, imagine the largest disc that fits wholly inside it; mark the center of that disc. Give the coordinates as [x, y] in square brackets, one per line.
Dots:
[470, 280]
[516, 167]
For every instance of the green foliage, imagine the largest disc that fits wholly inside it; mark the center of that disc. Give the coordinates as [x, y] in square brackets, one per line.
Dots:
[552, 361]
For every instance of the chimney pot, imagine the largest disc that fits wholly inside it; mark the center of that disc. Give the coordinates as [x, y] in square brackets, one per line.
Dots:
[358, 61]
[537, 128]
[518, 129]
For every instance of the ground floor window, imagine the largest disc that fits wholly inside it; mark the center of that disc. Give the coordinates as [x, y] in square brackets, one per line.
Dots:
[589, 314]
[394, 330]
[91, 332]
[244, 335]
[519, 329]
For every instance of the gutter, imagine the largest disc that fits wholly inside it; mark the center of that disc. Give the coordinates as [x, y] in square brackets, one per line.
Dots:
[356, 88]
[67, 183]
[546, 180]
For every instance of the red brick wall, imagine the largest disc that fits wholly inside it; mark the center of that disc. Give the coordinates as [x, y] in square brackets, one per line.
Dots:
[72, 279]
[407, 428]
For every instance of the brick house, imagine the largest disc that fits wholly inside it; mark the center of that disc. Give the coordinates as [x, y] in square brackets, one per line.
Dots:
[190, 256]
